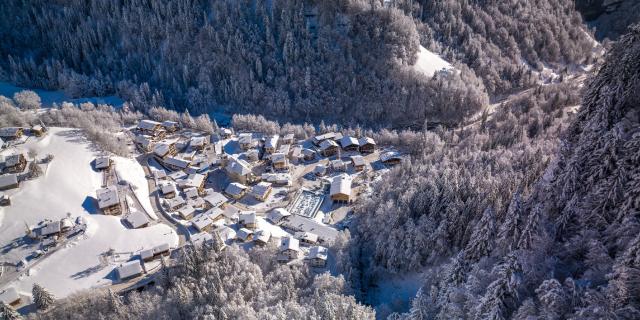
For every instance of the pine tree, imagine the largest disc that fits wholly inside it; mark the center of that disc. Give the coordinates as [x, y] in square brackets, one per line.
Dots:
[481, 241]
[42, 298]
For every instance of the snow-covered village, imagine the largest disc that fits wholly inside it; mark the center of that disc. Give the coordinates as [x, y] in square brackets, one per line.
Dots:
[77, 217]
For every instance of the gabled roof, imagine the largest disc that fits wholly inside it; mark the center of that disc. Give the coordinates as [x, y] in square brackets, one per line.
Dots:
[191, 192]
[318, 252]
[200, 238]
[168, 188]
[8, 180]
[235, 188]
[169, 124]
[278, 157]
[175, 202]
[177, 162]
[390, 155]
[260, 189]
[366, 140]
[215, 199]
[9, 132]
[161, 149]
[348, 141]
[50, 228]
[306, 236]
[107, 197]
[197, 141]
[289, 136]
[328, 135]
[245, 138]
[341, 185]
[358, 160]
[231, 212]
[192, 180]
[13, 159]
[186, 212]
[238, 166]
[326, 144]
[129, 269]
[272, 141]
[201, 222]
[244, 233]
[9, 296]
[226, 233]
[277, 214]
[247, 217]
[137, 219]
[262, 236]
[147, 124]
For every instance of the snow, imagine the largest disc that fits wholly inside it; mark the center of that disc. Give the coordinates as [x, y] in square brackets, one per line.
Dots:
[428, 63]
[395, 292]
[50, 97]
[275, 231]
[68, 186]
[130, 170]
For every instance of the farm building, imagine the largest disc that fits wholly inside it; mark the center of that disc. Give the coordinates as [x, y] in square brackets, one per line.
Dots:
[109, 201]
[129, 270]
[248, 219]
[306, 237]
[245, 140]
[137, 219]
[202, 223]
[276, 215]
[288, 138]
[244, 234]
[150, 127]
[9, 181]
[349, 143]
[170, 126]
[103, 163]
[271, 144]
[318, 256]
[289, 249]
[367, 145]
[328, 148]
[236, 190]
[239, 170]
[340, 190]
[390, 158]
[38, 130]
[11, 133]
[10, 297]
[214, 200]
[168, 190]
[186, 212]
[358, 162]
[279, 161]
[261, 191]
[15, 163]
[262, 236]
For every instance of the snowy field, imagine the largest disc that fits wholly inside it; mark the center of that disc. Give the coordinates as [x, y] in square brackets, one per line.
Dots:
[429, 63]
[50, 97]
[69, 187]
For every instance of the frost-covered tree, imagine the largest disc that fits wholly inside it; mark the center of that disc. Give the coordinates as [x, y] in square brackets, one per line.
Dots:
[27, 100]
[8, 313]
[42, 298]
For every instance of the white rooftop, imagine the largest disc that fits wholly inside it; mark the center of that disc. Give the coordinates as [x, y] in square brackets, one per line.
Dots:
[341, 185]
[129, 269]
[107, 197]
[289, 243]
[137, 219]
[235, 188]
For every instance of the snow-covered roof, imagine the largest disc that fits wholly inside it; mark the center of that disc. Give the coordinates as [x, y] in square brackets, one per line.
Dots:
[277, 214]
[289, 137]
[102, 162]
[285, 148]
[366, 140]
[178, 175]
[191, 192]
[201, 222]
[14, 159]
[169, 124]
[247, 217]
[214, 213]
[177, 162]
[390, 155]
[320, 169]
[7, 180]
[272, 142]
[245, 138]
[137, 219]
[244, 233]
[107, 197]
[161, 149]
[238, 166]
[50, 228]
[129, 269]
[358, 160]
[326, 144]
[337, 163]
[146, 254]
[279, 158]
[197, 141]
[175, 202]
[279, 178]
[147, 124]
[193, 180]
[306, 236]
[231, 212]
[261, 189]
[322, 137]
[226, 233]
[235, 188]
[9, 296]
[289, 243]
[348, 141]
[168, 188]
[308, 152]
[215, 199]
[159, 174]
[9, 132]
[318, 252]
[300, 223]
[186, 212]
[196, 202]
[341, 185]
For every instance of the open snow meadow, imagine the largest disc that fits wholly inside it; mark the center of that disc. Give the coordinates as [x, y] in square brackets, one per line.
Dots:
[68, 189]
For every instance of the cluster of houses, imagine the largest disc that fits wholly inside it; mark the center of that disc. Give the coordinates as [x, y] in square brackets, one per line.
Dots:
[136, 267]
[51, 232]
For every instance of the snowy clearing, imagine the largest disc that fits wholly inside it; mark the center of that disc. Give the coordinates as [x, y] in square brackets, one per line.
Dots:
[429, 63]
[131, 171]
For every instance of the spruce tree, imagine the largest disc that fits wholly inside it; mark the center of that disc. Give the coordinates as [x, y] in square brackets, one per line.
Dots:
[42, 298]
[8, 313]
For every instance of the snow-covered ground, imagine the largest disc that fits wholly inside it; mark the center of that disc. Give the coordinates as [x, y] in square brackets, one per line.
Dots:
[69, 187]
[429, 63]
[395, 292]
[130, 170]
[50, 97]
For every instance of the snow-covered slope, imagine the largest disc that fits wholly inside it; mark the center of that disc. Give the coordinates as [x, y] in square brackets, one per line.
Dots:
[48, 98]
[131, 171]
[429, 63]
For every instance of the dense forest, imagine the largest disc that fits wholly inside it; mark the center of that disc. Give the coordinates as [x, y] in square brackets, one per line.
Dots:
[343, 61]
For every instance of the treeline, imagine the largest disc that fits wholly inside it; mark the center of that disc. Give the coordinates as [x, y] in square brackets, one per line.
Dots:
[231, 284]
[341, 61]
